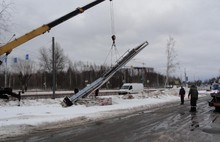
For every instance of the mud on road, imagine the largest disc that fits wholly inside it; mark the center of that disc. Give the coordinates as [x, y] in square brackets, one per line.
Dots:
[172, 122]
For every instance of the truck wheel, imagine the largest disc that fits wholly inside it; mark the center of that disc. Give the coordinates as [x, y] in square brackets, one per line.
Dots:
[217, 109]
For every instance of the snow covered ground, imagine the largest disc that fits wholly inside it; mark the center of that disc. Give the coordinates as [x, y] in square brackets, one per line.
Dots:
[31, 114]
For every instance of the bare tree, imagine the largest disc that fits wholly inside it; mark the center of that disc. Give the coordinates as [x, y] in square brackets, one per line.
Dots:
[25, 69]
[171, 58]
[46, 59]
[5, 8]
[46, 63]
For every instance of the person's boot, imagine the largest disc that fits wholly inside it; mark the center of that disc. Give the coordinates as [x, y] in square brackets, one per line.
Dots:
[193, 109]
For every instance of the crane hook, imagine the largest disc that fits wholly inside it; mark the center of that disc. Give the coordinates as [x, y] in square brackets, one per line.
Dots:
[113, 40]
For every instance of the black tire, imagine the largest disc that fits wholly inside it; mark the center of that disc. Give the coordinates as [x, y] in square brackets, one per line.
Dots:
[4, 97]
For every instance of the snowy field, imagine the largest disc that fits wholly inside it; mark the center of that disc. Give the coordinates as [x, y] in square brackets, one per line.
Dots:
[48, 113]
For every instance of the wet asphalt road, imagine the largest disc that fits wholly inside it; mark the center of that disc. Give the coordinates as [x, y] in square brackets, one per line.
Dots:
[171, 122]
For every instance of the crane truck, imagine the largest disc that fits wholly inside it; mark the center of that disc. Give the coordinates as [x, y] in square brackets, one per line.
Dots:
[6, 49]
[215, 94]
[215, 102]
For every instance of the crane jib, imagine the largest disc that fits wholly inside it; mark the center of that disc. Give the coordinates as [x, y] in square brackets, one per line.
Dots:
[73, 13]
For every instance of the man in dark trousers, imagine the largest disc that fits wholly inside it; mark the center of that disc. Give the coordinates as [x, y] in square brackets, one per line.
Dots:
[182, 93]
[96, 93]
[193, 92]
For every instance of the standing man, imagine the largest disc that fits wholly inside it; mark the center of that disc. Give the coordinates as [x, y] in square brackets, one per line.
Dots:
[193, 92]
[96, 93]
[182, 93]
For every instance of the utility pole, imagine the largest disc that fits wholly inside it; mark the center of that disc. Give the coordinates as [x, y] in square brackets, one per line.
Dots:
[6, 72]
[186, 78]
[53, 62]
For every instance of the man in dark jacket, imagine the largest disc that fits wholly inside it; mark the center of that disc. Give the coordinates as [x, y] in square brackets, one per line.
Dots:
[182, 93]
[193, 92]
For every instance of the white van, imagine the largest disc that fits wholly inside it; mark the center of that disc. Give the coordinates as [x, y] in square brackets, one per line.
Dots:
[131, 88]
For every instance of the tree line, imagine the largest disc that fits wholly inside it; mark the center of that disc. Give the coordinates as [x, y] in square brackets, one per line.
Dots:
[72, 78]
[25, 74]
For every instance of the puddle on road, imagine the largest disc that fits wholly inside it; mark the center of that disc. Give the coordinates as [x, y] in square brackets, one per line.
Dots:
[211, 130]
[213, 127]
[128, 116]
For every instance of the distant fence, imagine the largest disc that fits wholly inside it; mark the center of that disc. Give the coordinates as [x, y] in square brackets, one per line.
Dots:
[61, 94]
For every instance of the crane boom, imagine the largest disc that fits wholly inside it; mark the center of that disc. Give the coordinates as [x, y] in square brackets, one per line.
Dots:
[7, 48]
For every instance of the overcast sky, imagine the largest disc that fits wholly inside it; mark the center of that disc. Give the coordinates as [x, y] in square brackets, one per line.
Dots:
[194, 24]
